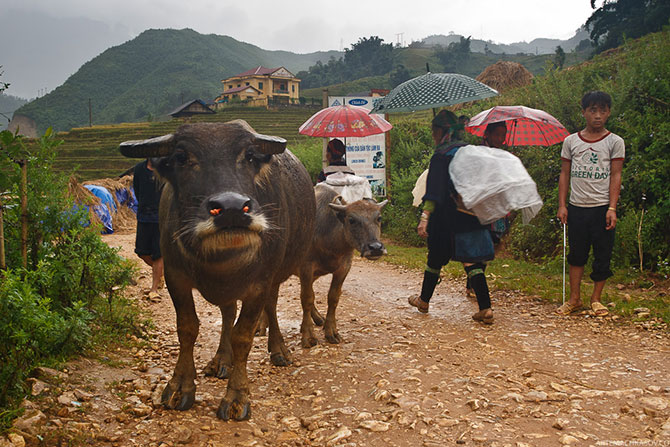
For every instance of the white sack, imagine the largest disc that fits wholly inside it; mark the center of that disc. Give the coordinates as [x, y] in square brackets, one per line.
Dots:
[419, 188]
[351, 187]
[492, 182]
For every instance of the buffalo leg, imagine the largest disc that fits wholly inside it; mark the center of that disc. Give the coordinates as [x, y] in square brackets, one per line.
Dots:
[334, 292]
[307, 301]
[235, 405]
[279, 353]
[222, 362]
[179, 393]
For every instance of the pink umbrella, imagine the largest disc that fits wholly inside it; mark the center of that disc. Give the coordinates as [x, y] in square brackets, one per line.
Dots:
[344, 121]
[528, 127]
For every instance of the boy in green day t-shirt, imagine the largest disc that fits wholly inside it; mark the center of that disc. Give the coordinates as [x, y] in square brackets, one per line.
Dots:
[592, 161]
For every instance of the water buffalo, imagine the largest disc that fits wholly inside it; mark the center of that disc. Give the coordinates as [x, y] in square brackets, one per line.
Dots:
[236, 215]
[340, 229]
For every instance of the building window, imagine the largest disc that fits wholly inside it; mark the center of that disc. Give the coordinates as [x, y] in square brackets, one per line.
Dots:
[293, 88]
[260, 86]
[247, 83]
[230, 86]
[239, 85]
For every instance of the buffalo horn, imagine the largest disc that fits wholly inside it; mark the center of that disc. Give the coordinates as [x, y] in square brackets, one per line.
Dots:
[268, 144]
[153, 147]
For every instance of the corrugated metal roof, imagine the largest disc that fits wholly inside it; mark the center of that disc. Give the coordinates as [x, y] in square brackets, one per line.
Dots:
[260, 70]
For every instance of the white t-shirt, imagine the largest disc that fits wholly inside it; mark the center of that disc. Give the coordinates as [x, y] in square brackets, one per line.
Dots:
[590, 167]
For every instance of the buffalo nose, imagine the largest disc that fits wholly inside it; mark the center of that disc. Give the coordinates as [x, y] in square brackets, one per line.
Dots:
[228, 201]
[376, 247]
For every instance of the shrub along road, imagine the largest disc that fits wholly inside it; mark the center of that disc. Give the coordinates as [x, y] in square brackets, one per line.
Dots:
[400, 378]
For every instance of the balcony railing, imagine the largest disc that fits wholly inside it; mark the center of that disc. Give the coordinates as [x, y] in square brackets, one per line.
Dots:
[281, 92]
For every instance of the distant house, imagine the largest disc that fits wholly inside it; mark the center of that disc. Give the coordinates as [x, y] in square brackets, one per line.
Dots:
[261, 85]
[195, 107]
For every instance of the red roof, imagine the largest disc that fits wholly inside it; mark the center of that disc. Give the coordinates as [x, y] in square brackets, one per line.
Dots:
[260, 70]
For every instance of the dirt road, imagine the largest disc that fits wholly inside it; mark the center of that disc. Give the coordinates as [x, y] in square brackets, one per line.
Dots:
[400, 378]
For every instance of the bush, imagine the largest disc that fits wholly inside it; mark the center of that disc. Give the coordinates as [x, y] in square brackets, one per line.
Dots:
[69, 292]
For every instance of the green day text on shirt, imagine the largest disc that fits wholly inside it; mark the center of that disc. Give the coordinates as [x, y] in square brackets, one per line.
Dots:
[590, 165]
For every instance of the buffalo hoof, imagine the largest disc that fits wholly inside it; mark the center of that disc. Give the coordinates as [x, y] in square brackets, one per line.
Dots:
[279, 359]
[334, 338]
[218, 369]
[234, 410]
[177, 399]
[317, 318]
[309, 341]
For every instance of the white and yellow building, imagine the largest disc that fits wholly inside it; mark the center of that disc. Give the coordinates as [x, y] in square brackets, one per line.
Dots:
[260, 86]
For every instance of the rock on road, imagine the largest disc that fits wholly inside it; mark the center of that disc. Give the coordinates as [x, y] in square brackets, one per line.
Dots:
[400, 378]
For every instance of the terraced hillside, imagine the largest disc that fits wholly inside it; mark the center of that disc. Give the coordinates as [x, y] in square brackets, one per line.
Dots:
[94, 150]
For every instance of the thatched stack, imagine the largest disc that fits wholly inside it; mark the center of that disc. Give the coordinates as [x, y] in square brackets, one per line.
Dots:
[124, 219]
[83, 196]
[504, 75]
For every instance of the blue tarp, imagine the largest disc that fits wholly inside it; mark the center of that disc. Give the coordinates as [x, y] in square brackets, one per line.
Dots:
[103, 210]
[127, 197]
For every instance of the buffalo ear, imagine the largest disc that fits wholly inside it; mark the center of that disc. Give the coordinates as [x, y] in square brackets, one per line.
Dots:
[269, 145]
[338, 205]
[153, 147]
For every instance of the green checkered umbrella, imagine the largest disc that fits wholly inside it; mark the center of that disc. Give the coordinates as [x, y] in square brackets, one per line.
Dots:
[432, 90]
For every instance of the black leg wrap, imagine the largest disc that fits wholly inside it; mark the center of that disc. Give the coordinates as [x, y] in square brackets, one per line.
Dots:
[430, 280]
[478, 282]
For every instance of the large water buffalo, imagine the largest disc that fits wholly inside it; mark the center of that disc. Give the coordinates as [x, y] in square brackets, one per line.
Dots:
[236, 218]
[340, 229]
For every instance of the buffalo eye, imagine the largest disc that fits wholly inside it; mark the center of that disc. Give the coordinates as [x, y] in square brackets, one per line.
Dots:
[181, 157]
[352, 221]
[379, 218]
[257, 159]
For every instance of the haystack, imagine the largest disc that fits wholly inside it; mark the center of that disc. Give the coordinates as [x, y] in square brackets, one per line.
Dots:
[83, 196]
[504, 75]
[124, 218]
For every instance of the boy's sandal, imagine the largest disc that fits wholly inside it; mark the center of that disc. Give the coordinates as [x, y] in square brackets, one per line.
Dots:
[421, 305]
[567, 308]
[599, 309]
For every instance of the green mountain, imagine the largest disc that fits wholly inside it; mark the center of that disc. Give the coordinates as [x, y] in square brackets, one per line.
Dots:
[153, 74]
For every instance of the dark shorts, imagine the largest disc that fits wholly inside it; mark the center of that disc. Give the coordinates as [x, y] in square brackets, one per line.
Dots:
[586, 228]
[147, 240]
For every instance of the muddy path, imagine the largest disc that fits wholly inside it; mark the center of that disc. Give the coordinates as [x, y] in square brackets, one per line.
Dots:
[400, 378]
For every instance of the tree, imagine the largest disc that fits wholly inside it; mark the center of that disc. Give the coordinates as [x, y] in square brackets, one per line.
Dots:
[453, 55]
[559, 57]
[3, 85]
[399, 75]
[616, 20]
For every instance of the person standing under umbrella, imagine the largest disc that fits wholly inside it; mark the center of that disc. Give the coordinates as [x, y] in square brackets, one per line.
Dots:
[453, 232]
[335, 153]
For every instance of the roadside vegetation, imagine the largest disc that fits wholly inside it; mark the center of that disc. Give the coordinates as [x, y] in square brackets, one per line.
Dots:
[61, 286]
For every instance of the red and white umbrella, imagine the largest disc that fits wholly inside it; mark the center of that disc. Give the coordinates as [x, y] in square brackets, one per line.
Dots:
[344, 121]
[527, 127]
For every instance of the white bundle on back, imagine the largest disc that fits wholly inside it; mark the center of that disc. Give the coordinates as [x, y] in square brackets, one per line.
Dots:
[351, 187]
[492, 182]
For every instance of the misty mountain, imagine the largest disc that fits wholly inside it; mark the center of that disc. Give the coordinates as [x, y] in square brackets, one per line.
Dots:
[8, 104]
[39, 52]
[153, 74]
[536, 46]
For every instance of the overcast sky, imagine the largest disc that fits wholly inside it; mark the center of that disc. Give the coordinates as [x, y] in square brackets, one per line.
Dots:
[300, 26]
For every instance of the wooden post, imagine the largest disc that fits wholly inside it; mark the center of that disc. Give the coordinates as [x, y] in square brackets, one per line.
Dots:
[23, 193]
[324, 104]
[3, 263]
[387, 142]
